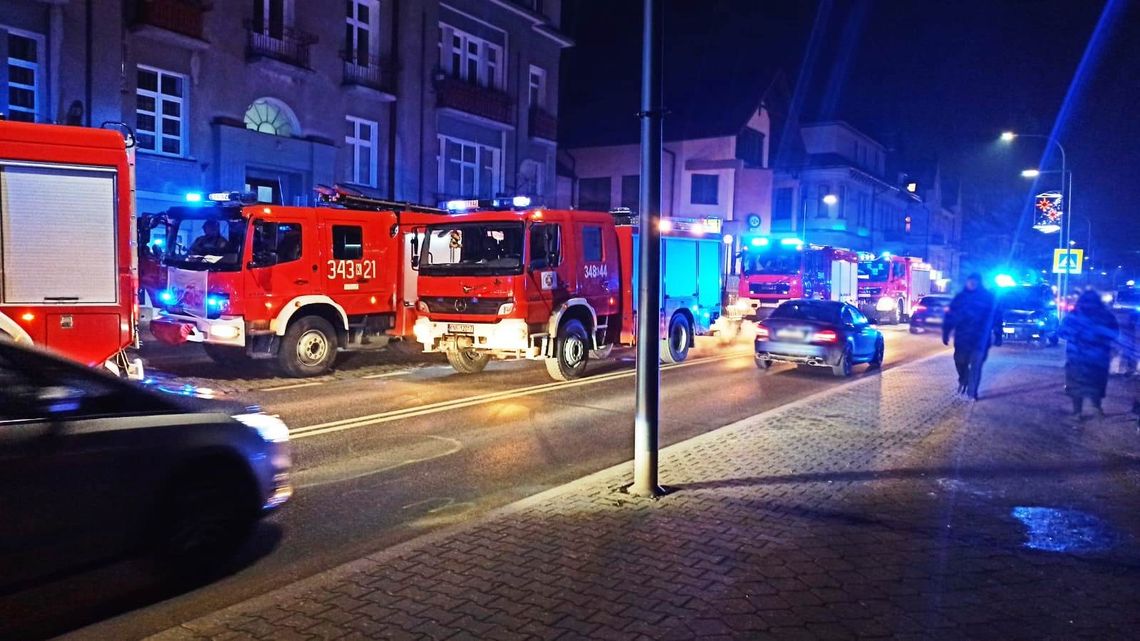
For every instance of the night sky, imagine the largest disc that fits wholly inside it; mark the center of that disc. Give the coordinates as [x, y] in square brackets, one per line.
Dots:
[934, 81]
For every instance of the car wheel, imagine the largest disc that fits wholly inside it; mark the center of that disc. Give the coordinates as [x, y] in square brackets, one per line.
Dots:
[915, 330]
[207, 516]
[308, 347]
[877, 359]
[842, 369]
[468, 361]
[679, 338]
[572, 348]
[763, 364]
[1054, 340]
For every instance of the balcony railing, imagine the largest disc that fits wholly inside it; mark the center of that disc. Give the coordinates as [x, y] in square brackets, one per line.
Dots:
[180, 16]
[286, 44]
[368, 71]
[542, 125]
[492, 104]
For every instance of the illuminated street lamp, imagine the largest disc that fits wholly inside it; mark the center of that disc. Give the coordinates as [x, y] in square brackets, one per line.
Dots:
[830, 200]
[1008, 136]
[1030, 173]
[1062, 239]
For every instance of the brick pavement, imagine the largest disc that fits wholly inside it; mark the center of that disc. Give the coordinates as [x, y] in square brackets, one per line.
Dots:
[887, 508]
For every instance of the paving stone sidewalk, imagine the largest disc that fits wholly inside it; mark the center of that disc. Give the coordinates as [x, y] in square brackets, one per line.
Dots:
[887, 508]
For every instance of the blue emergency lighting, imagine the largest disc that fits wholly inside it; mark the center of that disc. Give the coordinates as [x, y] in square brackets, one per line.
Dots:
[521, 201]
[158, 242]
[759, 242]
[885, 255]
[1004, 280]
[166, 296]
[217, 301]
[462, 205]
[791, 241]
[193, 197]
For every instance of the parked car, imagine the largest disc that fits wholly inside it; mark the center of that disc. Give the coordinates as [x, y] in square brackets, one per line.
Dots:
[93, 467]
[818, 333]
[929, 314]
[1029, 314]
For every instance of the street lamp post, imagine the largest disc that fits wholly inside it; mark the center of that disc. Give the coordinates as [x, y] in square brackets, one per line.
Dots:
[1063, 240]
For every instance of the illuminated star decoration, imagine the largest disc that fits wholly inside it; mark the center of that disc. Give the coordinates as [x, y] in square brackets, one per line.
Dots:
[1050, 209]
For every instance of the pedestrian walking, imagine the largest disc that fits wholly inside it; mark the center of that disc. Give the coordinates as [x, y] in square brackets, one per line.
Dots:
[974, 318]
[1089, 331]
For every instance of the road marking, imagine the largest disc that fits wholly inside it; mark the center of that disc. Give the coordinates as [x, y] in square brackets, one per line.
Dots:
[481, 399]
[387, 374]
[293, 386]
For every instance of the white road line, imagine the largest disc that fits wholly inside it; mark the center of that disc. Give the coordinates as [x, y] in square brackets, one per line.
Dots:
[387, 374]
[293, 386]
[480, 399]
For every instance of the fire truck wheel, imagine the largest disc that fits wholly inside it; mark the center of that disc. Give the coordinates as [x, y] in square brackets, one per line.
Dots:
[223, 355]
[675, 346]
[572, 352]
[308, 347]
[468, 361]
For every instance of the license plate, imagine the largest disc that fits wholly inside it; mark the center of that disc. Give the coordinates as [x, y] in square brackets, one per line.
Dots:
[1008, 330]
[792, 334]
[461, 328]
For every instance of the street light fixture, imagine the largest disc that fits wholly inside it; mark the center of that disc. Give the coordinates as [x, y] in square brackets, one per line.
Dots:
[1008, 136]
[830, 199]
[1030, 173]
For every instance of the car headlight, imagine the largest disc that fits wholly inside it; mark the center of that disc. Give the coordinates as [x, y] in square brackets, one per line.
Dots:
[506, 308]
[270, 428]
[885, 304]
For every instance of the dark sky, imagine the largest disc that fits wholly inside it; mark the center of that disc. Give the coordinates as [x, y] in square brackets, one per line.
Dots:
[931, 80]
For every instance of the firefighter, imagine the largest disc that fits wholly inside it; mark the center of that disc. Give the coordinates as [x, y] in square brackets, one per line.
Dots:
[211, 242]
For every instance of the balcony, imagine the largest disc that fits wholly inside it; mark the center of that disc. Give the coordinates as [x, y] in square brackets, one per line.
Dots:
[283, 44]
[491, 104]
[369, 71]
[542, 125]
[178, 22]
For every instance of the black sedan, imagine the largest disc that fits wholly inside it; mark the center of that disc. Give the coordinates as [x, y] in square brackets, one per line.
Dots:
[1029, 314]
[818, 333]
[929, 314]
[92, 467]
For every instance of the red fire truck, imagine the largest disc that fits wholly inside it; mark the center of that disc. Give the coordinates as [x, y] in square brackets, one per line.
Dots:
[295, 284]
[67, 265]
[890, 286]
[558, 286]
[773, 270]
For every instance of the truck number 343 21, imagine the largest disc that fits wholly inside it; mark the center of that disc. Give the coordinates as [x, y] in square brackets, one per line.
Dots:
[350, 269]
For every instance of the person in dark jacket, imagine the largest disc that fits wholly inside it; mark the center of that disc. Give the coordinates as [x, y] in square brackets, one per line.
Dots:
[974, 318]
[1089, 331]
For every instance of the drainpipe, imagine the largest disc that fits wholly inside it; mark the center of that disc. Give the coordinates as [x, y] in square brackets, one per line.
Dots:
[395, 65]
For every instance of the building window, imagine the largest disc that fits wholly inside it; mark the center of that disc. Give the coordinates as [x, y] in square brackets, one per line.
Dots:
[750, 147]
[362, 31]
[591, 244]
[537, 87]
[594, 194]
[862, 211]
[631, 191]
[25, 74]
[532, 178]
[271, 116]
[705, 189]
[468, 169]
[361, 141]
[822, 209]
[271, 17]
[842, 209]
[160, 111]
[782, 209]
[470, 58]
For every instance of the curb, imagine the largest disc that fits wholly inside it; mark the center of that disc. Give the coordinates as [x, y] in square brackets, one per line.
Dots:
[318, 581]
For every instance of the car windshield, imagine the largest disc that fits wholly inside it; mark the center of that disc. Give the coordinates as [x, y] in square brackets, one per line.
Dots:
[771, 262]
[473, 248]
[875, 270]
[202, 243]
[808, 310]
[1028, 298]
[934, 301]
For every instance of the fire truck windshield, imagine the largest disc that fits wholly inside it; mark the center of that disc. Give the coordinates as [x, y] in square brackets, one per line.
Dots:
[772, 262]
[473, 248]
[204, 244]
[875, 270]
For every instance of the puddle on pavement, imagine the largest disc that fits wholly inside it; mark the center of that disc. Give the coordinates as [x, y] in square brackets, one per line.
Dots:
[1060, 530]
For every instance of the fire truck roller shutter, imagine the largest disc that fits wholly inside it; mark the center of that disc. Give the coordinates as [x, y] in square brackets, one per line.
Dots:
[281, 323]
[574, 308]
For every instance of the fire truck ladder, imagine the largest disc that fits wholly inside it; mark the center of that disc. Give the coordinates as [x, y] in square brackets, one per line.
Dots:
[341, 196]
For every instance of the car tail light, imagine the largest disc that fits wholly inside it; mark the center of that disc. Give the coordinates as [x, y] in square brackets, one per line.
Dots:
[761, 332]
[826, 336]
[920, 308]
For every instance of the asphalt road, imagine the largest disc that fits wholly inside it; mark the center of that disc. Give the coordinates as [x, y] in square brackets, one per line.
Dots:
[383, 454]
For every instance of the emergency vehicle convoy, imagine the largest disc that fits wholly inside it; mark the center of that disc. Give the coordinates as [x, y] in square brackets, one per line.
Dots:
[295, 284]
[557, 286]
[67, 261]
[773, 270]
[891, 286]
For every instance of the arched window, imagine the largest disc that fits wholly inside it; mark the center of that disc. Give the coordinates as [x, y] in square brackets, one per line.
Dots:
[271, 116]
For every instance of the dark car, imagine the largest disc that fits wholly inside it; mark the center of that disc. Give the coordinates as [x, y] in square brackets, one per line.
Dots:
[819, 333]
[1029, 314]
[929, 314]
[93, 467]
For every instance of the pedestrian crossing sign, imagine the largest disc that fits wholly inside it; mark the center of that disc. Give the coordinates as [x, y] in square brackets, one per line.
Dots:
[1068, 261]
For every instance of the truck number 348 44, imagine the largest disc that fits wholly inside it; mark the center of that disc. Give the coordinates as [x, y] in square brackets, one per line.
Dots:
[350, 269]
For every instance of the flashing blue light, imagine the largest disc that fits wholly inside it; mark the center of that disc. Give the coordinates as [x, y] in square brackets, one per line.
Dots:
[886, 255]
[193, 197]
[217, 301]
[521, 201]
[759, 242]
[158, 242]
[462, 205]
[166, 296]
[1004, 280]
[791, 241]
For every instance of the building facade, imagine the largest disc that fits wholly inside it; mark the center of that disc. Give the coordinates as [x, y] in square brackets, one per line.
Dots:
[416, 100]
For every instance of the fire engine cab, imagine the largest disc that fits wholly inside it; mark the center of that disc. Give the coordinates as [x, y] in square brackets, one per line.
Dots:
[557, 286]
[295, 284]
[67, 265]
[773, 270]
[890, 286]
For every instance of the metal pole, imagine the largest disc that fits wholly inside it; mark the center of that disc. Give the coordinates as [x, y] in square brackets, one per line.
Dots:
[1061, 240]
[645, 428]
